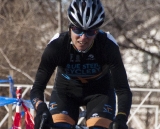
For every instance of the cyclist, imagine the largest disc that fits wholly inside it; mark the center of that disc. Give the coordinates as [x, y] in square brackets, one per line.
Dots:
[89, 73]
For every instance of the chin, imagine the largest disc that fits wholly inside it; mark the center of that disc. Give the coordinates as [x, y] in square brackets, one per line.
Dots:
[82, 49]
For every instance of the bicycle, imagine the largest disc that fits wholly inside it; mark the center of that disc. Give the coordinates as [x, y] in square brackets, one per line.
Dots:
[78, 126]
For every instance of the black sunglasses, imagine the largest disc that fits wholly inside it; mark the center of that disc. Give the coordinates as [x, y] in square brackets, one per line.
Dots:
[80, 32]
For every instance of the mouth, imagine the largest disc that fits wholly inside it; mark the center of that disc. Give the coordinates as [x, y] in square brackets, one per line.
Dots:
[82, 43]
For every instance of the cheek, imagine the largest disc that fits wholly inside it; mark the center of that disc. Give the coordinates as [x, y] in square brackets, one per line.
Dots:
[91, 39]
[74, 37]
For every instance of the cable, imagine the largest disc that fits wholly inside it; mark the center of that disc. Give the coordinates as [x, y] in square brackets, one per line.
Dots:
[44, 118]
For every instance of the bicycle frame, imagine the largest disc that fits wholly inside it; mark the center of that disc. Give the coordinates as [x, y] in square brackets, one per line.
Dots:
[82, 115]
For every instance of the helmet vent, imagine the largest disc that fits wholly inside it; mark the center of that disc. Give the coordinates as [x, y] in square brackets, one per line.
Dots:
[100, 10]
[83, 5]
[79, 17]
[93, 7]
[86, 14]
[75, 5]
[71, 10]
[93, 20]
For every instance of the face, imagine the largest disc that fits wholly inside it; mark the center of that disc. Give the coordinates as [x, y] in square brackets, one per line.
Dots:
[82, 40]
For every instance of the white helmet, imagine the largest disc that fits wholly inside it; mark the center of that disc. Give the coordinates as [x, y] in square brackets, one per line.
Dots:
[86, 14]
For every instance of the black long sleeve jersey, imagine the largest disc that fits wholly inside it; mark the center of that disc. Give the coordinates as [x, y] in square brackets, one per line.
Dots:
[102, 59]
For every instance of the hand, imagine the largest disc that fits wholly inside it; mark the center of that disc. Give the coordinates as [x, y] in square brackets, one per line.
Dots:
[41, 109]
[119, 122]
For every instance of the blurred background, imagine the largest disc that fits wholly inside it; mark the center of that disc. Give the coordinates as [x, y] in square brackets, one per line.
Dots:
[27, 26]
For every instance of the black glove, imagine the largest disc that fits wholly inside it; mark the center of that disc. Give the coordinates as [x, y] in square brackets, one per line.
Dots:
[119, 122]
[42, 109]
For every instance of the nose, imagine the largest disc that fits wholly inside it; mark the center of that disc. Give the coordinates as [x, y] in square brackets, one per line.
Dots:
[83, 36]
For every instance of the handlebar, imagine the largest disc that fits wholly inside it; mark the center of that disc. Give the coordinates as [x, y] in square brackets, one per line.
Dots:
[44, 118]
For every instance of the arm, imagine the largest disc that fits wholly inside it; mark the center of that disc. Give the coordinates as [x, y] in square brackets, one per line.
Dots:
[50, 59]
[120, 83]
[44, 72]
[122, 89]
[119, 75]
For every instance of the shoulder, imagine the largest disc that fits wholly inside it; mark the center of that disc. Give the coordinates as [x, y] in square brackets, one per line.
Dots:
[57, 44]
[59, 38]
[54, 37]
[108, 46]
[108, 37]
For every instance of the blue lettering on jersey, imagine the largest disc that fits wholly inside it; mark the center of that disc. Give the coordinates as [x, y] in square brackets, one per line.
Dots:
[83, 70]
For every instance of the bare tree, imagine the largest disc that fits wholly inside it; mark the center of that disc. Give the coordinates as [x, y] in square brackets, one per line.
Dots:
[27, 26]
